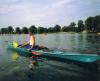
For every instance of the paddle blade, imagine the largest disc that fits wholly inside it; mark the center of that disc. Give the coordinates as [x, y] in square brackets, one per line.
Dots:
[15, 44]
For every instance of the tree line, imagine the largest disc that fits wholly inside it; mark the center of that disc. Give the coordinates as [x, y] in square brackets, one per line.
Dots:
[91, 24]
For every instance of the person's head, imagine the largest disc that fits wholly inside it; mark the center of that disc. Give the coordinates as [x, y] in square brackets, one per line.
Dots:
[30, 32]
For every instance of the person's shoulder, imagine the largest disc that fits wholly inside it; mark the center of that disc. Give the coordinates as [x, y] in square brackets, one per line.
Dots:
[33, 36]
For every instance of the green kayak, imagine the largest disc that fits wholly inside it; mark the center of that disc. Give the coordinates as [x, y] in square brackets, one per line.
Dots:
[62, 56]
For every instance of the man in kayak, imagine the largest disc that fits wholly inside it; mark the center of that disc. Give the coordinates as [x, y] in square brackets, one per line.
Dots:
[30, 45]
[32, 41]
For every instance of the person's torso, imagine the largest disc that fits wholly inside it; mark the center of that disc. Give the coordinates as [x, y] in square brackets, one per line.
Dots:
[32, 40]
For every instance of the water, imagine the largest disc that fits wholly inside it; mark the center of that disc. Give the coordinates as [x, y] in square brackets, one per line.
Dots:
[14, 67]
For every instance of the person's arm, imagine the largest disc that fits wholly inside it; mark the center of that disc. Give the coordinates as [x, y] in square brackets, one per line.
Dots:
[21, 45]
[26, 43]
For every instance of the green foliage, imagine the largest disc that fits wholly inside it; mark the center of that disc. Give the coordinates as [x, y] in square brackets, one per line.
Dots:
[65, 29]
[18, 30]
[72, 26]
[42, 30]
[10, 29]
[50, 30]
[93, 24]
[89, 23]
[81, 26]
[4, 31]
[57, 28]
[25, 30]
[33, 29]
[45, 30]
[96, 24]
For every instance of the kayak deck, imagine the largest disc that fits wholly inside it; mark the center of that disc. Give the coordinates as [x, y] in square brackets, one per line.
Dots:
[89, 58]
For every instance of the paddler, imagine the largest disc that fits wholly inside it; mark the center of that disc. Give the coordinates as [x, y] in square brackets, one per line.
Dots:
[30, 45]
[31, 41]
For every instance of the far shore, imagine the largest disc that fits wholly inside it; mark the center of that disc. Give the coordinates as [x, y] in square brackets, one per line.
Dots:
[55, 33]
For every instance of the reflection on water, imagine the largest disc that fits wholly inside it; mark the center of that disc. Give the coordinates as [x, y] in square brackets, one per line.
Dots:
[15, 56]
[20, 67]
[33, 61]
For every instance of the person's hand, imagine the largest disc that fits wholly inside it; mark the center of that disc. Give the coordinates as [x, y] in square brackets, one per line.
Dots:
[29, 49]
[20, 46]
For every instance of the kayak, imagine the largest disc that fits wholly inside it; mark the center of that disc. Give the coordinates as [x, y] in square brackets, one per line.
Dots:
[62, 56]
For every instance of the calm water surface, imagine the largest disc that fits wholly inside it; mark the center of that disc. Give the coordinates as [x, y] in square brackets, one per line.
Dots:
[14, 67]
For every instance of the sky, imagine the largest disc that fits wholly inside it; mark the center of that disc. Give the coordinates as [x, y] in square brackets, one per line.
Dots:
[46, 13]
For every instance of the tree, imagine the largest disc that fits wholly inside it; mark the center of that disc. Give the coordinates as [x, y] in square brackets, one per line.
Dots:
[25, 30]
[97, 23]
[4, 31]
[89, 23]
[57, 28]
[18, 30]
[33, 29]
[72, 26]
[65, 29]
[10, 29]
[51, 30]
[42, 30]
[45, 30]
[80, 26]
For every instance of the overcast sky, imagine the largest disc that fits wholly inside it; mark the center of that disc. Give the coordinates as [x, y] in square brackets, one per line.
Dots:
[46, 12]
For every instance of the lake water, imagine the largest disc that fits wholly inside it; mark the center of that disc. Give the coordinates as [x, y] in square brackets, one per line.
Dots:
[14, 67]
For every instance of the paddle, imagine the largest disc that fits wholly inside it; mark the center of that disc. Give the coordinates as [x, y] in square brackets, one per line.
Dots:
[16, 45]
